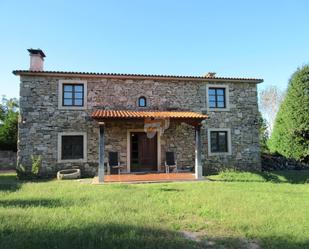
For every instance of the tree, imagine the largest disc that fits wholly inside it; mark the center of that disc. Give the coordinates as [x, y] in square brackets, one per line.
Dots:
[8, 124]
[263, 133]
[270, 100]
[290, 135]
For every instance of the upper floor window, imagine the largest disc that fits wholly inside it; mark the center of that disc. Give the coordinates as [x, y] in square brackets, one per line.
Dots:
[73, 95]
[142, 102]
[217, 97]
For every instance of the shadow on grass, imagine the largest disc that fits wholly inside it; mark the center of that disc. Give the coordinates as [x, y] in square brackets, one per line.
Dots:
[49, 203]
[286, 176]
[294, 176]
[116, 236]
[270, 177]
[94, 236]
[265, 242]
[171, 190]
[8, 182]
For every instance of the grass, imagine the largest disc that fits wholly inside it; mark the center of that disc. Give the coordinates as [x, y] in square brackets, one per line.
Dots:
[230, 211]
[288, 176]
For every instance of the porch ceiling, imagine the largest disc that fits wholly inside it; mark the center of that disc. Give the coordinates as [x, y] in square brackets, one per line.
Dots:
[127, 114]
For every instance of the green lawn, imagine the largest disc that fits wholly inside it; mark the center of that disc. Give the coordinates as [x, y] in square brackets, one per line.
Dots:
[233, 210]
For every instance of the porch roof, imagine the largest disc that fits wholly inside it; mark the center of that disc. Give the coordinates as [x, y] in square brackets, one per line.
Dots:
[127, 114]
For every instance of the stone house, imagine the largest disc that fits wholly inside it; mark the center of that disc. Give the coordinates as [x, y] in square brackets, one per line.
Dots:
[209, 122]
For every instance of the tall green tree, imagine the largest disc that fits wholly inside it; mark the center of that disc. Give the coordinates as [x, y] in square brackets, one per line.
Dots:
[8, 124]
[290, 136]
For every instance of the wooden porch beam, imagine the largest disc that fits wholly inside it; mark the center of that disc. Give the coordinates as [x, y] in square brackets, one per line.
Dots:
[193, 122]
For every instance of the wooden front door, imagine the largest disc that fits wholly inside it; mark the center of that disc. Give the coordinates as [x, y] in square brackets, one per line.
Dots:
[143, 152]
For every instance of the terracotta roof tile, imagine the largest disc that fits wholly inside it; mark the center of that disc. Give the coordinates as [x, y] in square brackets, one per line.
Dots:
[137, 76]
[120, 114]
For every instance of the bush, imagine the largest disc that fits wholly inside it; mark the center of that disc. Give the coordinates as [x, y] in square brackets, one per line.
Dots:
[8, 124]
[8, 132]
[34, 173]
[263, 133]
[36, 165]
[23, 173]
[290, 136]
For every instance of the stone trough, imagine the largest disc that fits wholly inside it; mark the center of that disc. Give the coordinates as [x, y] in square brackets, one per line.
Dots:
[68, 174]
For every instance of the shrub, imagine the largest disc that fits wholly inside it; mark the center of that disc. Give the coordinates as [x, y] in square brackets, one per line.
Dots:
[263, 133]
[36, 165]
[8, 124]
[290, 136]
[25, 174]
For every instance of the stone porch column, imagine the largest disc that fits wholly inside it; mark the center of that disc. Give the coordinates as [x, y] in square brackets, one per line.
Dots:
[101, 154]
[198, 163]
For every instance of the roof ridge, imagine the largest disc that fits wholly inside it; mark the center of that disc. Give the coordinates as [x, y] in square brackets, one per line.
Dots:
[29, 72]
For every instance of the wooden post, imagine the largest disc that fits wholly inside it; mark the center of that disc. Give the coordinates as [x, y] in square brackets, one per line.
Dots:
[198, 164]
[101, 154]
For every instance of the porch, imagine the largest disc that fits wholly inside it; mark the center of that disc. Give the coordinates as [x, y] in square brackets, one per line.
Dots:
[139, 141]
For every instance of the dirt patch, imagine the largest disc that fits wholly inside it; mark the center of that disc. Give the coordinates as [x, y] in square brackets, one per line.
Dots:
[253, 245]
[198, 237]
[195, 236]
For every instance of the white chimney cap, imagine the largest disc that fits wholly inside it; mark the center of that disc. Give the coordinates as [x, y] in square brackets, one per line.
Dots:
[210, 75]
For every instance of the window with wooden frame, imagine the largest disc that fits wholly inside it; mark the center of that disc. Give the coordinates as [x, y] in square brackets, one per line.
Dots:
[73, 95]
[72, 147]
[217, 97]
[142, 102]
[218, 141]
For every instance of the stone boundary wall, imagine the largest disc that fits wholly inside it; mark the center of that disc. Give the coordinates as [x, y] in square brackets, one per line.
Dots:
[7, 159]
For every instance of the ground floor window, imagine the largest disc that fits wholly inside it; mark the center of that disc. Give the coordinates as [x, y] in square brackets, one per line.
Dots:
[72, 146]
[219, 141]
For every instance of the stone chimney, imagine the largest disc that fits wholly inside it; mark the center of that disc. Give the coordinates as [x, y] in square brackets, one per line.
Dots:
[210, 75]
[36, 59]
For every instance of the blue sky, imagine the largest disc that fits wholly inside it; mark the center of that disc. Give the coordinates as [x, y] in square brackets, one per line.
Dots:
[264, 39]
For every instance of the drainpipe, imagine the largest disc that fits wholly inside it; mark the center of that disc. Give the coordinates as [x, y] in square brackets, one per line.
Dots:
[198, 164]
[101, 154]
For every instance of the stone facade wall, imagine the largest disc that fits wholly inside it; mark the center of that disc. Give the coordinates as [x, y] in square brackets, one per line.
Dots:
[124, 94]
[242, 120]
[41, 120]
[180, 138]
